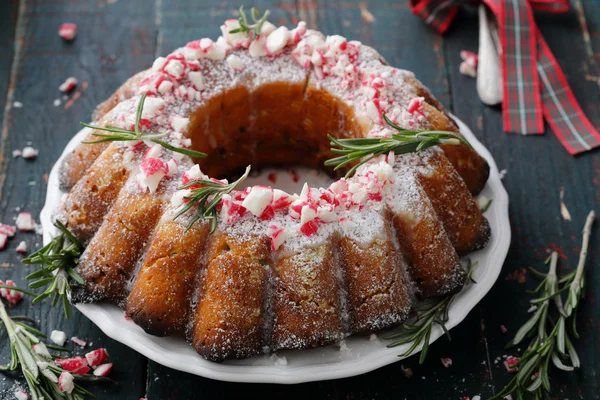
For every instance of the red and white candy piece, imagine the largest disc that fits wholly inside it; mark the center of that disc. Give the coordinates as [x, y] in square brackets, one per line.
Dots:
[309, 228]
[152, 169]
[41, 349]
[3, 239]
[22, 247]
[197, 79]
[8, 230]
[174, 68]
[103, 369]
[68, 85]
[12, 296]
[76, 365]
[96, 357]
[446, 362]
[237, 39]
[258, 199]
[66, 382]
[470, 57]
[277, 40]
[277, 235]
[25, 222]
[67, 31]
[78, 342]
[207, 48]
[21, 395]
[29, 153]
[258, 47]
[510, 362]
[468, 66]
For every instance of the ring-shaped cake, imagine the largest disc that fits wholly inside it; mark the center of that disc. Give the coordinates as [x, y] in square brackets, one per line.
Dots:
[281, 271]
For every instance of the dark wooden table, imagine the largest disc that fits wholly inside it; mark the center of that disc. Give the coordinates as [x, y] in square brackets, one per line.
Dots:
[118, 38]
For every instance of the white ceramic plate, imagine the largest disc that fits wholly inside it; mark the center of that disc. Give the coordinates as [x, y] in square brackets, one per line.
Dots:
[362, 355]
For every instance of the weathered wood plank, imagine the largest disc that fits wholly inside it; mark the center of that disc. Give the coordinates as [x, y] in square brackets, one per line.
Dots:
[101, 62]
[537, 168]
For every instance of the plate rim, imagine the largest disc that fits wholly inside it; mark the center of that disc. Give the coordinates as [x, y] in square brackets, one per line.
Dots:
[101, 314]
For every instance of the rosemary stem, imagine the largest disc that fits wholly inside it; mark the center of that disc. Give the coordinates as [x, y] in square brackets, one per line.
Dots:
[587, 230]
[18, 289]
[553, 264]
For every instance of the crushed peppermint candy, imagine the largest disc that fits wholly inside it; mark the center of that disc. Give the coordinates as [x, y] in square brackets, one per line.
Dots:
[68, 85]
[468, 66]
[503, 329]
[16, 153]
[343, 67]
[12, 296]
[25, 222]
[58, 337]
[66, 382]
[96, 357]
[78, 342]
[8, 230]
[22, 247]
[103, 370]
[21, 395]
[446, 362]
[3, 239]
[29, 153]
[67, 31]
[77, 365]
[510, 362]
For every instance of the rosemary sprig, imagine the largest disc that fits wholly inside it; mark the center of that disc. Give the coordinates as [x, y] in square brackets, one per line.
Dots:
[405, 141]
[207, 197]
[428, 314]
[258, 20]
[57, 260]
[124, 135]
[532, 380]
[38, 368]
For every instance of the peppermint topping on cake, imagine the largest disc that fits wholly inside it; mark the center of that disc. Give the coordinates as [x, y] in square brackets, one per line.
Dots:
[183, 80]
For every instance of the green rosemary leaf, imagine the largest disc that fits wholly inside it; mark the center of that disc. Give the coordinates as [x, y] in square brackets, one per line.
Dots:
[41, 384]
[206, 198]
[181, 150]
[427, 314]
[18, 289]
[487, 205]
[361, 150]
[554, 348]
[122, 135]
[138, 115]
[258, 20]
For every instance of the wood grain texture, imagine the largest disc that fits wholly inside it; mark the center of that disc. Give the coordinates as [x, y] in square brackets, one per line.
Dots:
[120, 37]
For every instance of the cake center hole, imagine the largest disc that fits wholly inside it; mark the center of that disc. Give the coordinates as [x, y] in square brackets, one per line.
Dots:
[277, 125]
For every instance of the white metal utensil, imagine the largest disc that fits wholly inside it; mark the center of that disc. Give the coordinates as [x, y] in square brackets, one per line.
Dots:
[489, 71]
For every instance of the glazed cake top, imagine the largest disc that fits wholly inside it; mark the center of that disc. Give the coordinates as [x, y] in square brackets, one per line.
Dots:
[186, 79]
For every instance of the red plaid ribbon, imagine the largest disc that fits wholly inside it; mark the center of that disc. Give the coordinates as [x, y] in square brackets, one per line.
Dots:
[534, 84]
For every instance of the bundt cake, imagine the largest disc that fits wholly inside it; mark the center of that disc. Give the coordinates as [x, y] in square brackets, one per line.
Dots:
[280, 271]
